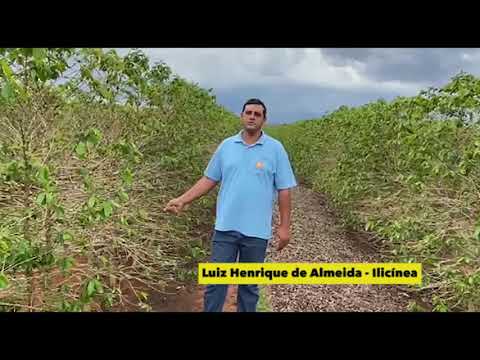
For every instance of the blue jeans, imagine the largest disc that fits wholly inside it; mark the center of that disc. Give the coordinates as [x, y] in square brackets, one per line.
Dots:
[226, 247]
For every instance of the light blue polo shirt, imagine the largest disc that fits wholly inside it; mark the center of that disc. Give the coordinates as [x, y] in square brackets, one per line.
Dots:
[250, 177]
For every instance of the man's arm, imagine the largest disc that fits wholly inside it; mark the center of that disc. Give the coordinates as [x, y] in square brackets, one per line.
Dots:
[284, 205]
[201, 187]
[284, 182]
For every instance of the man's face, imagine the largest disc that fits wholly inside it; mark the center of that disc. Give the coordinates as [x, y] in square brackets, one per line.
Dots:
[253, 117]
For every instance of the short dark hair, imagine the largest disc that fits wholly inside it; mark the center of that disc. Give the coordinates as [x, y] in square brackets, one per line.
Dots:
[255, 102]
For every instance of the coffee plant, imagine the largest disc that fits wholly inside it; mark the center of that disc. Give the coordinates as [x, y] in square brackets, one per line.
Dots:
[92, 145]
[408, 172]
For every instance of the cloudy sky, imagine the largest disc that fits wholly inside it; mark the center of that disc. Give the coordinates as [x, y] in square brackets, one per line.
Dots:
[301, 83]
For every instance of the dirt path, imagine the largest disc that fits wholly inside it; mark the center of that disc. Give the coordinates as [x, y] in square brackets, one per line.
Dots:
[316, 237]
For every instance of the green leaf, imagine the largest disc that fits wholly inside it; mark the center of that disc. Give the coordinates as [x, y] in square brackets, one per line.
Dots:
[4, 247]
[67, 236]
[106, 94]
[369, 225]
[94, 136]
[44, 174]
[7, 91]
[7, 70]
[49, 199]
[107, 209]
[98, 287]
[3, 281]
[41, 199]
[27, 51]
[91, 288]
[81, 149]
[91, 202]
[476, 234]
[127, 176]
[41, 73]
[67, 263]
[60, 212]
[38, 54]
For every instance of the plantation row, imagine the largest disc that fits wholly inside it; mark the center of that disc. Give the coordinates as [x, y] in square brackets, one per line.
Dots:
[408, 172]
[92, 146]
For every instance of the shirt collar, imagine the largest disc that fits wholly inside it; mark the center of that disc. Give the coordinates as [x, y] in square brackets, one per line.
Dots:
[261, 139]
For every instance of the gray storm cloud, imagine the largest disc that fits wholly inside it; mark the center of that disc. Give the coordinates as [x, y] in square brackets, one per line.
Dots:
[272, 62]
[412, 65]
[304, 83]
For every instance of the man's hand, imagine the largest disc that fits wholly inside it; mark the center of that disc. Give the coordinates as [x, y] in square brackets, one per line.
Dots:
[175, 206]
[201, 187]
[283, 237]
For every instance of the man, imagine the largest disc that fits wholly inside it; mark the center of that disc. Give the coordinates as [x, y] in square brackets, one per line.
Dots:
[253, 168]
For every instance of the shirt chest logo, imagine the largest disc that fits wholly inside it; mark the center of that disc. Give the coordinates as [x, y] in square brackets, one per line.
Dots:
[259, 165]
